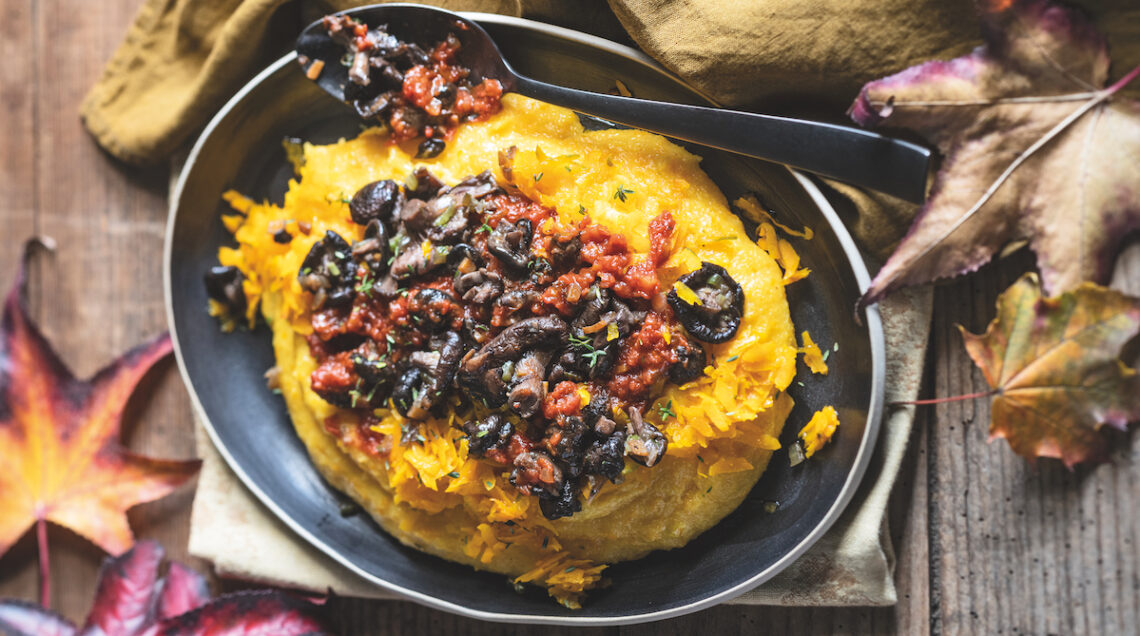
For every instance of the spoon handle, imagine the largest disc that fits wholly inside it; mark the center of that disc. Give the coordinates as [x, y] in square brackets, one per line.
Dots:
[852, 155]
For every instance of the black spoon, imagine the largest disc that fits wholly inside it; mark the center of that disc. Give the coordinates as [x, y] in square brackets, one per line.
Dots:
[852, 155]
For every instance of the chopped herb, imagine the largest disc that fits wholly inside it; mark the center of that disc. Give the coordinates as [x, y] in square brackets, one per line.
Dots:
[570, 569]
[333, 269]
[723, 238]
[733, 358]
[700, 459]
[826, 354]
[453, 474]
[709, 490]
[836, 347]
[621, 193]
[365, 285]
[538, 177]
[446, 216]
[581, 209]
[482, 433]
[666, 410]
[587, 345]
[484, 228]
[346, 59]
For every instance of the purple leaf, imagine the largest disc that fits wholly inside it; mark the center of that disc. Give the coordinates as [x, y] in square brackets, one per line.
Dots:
[20, 618]
[1036, 149]
[260, 613]
[125, 596]
[184, 590]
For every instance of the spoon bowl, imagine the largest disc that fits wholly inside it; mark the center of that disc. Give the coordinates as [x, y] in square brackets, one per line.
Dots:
[852, 155]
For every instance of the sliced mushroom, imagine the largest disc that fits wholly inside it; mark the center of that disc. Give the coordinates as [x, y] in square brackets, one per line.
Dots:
[518, 300]
[477, 186]
[418, 258]
[422, 184]
[423, 384]
[374, 249]
[510, 243]
[527, 389]
[416, 215]
[481, 372]
[455, 213]
[328, 272]
[644, 444]
[479, 287]
[492, 432]
[714, 314]
[433, 309]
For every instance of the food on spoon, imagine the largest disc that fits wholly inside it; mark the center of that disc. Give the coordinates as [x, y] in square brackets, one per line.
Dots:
[537, 352]
[412, 91]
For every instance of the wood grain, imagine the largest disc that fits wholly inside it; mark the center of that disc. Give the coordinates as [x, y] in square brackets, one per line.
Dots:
[1015, 547]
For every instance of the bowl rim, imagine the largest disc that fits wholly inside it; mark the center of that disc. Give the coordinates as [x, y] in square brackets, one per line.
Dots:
[847, 492]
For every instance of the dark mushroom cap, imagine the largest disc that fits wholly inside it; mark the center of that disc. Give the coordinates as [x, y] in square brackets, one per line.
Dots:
[510, 243]
[329, 272]
[377, 200]
[721, 304]
[423, 384]
[224, 285]
[432, 308]
[493, 431]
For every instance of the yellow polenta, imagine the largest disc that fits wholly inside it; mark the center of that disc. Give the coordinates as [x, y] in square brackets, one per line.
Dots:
[722, 428]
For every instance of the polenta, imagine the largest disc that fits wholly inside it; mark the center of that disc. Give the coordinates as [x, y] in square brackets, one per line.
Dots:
[543, 350]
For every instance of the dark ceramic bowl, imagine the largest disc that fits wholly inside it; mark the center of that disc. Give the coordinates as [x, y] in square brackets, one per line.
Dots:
[241, 148]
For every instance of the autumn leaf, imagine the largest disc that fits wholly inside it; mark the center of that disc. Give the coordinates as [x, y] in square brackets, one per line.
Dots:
[1036, 150]
[1054, 369]
[132, 600]
[60, 455]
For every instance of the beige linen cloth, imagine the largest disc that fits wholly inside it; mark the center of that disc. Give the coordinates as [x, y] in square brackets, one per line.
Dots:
[181, 59]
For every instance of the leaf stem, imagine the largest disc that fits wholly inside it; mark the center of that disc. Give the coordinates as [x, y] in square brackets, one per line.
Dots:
[45, 568]
[1122, 82]
[957, 398]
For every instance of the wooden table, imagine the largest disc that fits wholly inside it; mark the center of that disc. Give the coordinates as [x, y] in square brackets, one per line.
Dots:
[987, 544]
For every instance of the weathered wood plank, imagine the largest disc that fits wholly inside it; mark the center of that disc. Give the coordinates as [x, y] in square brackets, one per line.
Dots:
[1018, 548]
[17, 212]
[909, 524]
